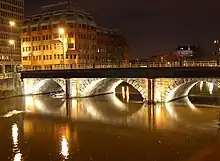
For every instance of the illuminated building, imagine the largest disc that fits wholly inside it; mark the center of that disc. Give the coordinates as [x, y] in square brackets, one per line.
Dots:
[11, 16]
[62, 36]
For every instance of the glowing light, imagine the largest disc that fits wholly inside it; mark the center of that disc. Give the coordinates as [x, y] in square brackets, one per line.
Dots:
[74, 103]
[29, 104]
[211, 87]
[61, 31]
[123, 92]
[15, 134]
[11, 42]
[18, 157]
[201, 85]
[65, 148]
[128, 94]
[12, 23]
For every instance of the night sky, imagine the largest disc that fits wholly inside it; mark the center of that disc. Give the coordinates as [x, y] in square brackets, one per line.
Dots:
[154, 26]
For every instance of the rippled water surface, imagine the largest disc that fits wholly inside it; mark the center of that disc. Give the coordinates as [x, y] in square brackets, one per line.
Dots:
[107, 128]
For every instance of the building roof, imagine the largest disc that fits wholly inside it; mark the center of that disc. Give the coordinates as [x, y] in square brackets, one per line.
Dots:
[71, 6]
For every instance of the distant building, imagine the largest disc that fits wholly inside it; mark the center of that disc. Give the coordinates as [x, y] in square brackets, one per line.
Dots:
[62, 35]
[11, 16]
[186, 51]
[165, 58]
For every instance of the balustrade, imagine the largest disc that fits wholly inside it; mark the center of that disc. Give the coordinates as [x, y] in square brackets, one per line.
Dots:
[135, 65]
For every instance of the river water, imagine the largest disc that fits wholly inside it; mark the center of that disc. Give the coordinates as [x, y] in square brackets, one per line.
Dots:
[106, 128]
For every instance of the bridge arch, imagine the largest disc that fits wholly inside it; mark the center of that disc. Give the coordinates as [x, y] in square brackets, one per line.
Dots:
[34, 86]
[180, 88]
[108, 85]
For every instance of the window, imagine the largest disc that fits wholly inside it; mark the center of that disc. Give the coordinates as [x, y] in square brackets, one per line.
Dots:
[71, 25]
[70, 34]
[55, 25]
[46, 18]
[55, 36]
[34, 29]
[25, 58]
[44, 27]
[24, 30]
[71, 45]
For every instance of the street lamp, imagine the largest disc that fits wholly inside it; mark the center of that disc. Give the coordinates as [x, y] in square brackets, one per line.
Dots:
[11, 23]
[12, 44]
[62, 32]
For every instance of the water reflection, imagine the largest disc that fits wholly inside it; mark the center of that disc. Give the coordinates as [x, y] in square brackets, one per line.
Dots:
[16, 150]
[70, 127]
[201, 85]
[65, 148]
[211, 87]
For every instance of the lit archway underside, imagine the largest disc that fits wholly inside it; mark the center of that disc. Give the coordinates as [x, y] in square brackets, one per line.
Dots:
[181, 88]
[34, 86]
[106, 85]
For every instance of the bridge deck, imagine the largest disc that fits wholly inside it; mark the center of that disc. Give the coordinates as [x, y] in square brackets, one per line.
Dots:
[166, 72]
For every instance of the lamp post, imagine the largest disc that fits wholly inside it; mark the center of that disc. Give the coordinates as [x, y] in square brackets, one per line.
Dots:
[62, 32]
[12, 44]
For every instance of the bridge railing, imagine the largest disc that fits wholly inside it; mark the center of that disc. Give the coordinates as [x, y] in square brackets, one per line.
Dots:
[136, 65]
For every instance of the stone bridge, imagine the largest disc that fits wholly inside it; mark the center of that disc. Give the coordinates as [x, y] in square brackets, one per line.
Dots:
[152, 90]
[154, 84]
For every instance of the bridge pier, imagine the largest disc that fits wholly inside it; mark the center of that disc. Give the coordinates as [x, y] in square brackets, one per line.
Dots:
[68, 88]
[151, 91]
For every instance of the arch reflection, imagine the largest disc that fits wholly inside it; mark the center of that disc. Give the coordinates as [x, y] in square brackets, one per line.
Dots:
[44, 104]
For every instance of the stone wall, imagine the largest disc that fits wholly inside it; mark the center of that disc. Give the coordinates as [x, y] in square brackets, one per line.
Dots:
[10, 87]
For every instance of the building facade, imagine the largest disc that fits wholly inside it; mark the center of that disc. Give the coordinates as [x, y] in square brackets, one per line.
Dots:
[63, 36]
[11, 16]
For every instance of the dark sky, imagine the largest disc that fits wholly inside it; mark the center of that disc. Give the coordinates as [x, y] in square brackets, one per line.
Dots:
[154, 26]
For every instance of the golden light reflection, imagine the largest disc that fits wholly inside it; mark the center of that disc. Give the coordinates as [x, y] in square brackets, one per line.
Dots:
[123, 92]
[18, 157]
[15, 131]
[190, 105]
[201, 85]
[28, 127]
[15, 134]
[64, 147]
[170, 109]
[29, 104]
[127, 94]
[211, 87]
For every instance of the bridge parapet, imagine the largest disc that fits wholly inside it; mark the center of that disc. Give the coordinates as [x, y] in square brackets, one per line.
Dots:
[186, 63]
